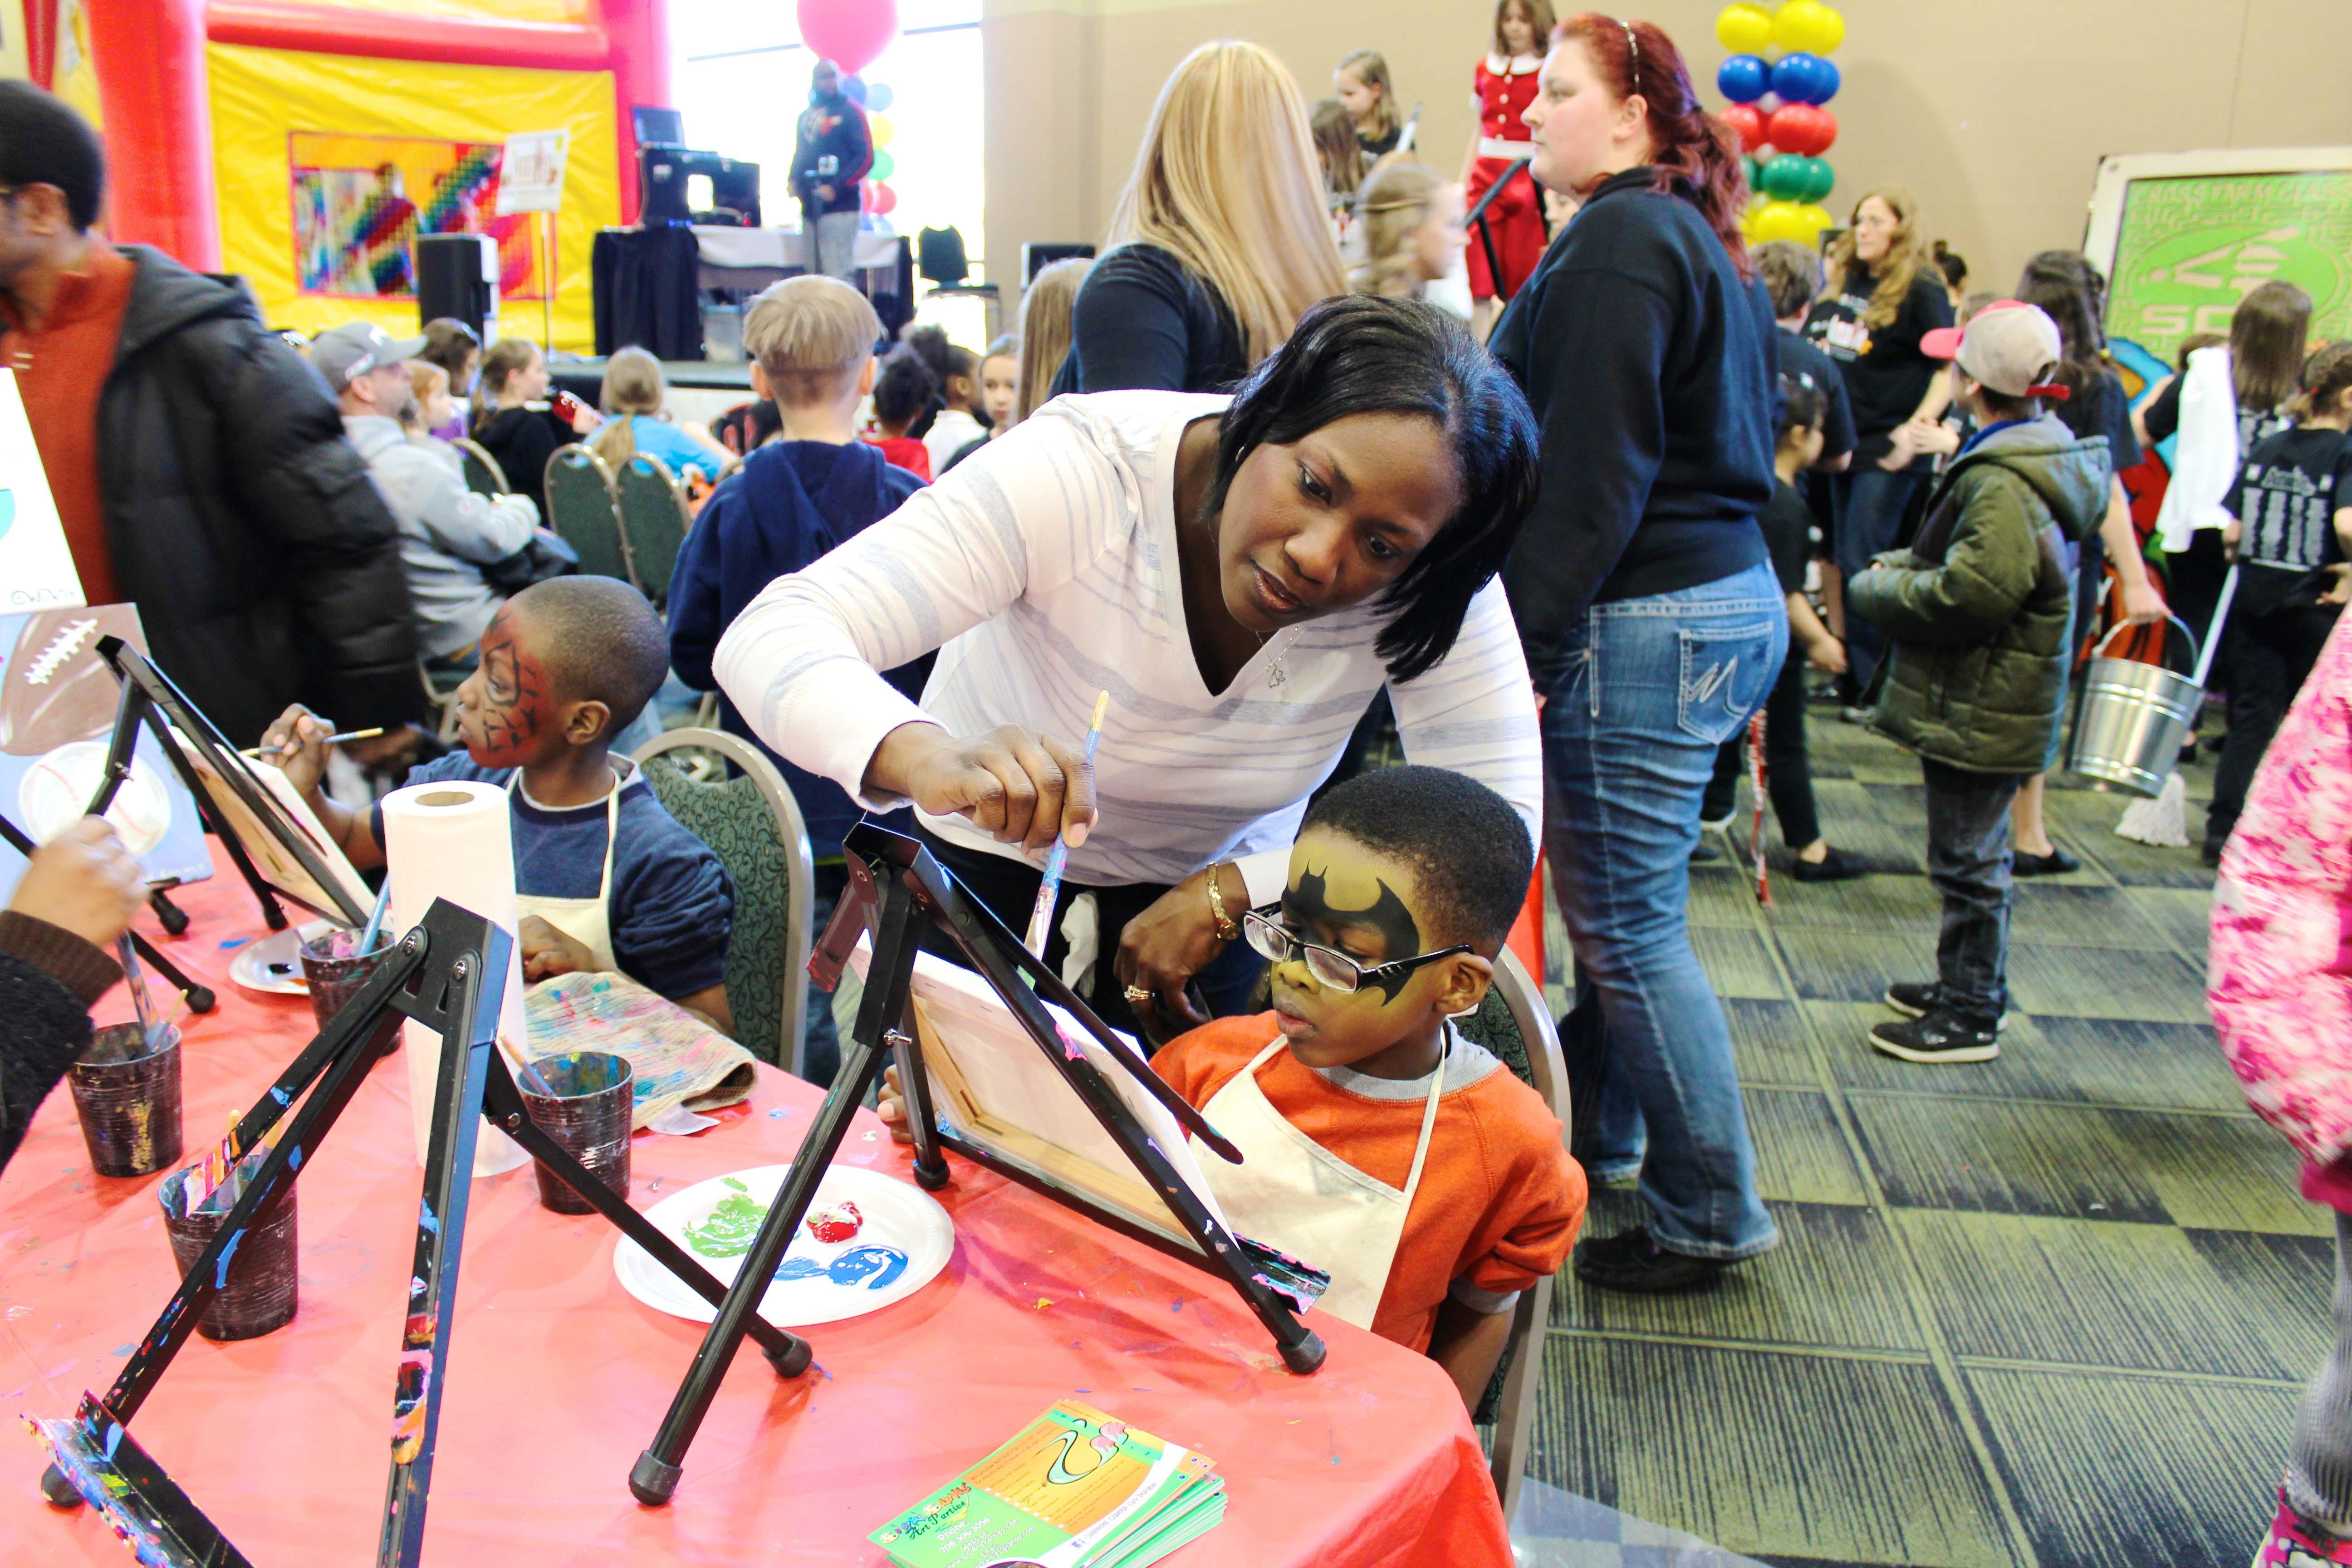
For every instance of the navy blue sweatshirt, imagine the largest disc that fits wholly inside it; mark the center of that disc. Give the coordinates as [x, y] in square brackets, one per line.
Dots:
[1649, 365]
[789, 502]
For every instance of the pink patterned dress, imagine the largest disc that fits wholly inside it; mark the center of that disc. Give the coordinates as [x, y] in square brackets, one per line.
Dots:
[2280, 973]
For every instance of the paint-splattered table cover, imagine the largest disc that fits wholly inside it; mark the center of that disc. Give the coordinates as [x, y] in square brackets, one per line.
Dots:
[558, 1378]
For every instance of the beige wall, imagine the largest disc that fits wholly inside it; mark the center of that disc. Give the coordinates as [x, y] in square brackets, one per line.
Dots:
[1996, 112]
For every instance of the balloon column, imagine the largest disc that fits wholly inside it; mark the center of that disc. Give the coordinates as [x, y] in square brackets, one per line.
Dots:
[876, 96]
[1776, 110]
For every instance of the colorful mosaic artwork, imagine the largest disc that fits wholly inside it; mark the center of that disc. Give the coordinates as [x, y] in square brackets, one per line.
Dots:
[359, 201]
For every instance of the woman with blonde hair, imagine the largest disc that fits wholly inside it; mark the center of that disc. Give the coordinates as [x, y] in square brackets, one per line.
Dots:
[1046, 331]
[1220, 241]
[1409, 219]
[631, 398]
[1882, 293]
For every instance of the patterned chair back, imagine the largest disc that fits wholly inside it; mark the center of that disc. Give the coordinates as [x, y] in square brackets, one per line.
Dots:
[580, 509]
[654, 519]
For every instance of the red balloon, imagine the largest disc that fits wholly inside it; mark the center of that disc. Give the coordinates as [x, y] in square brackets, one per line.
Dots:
[852, 34]
[879, 198]
[1748, 121]
[1803, 128]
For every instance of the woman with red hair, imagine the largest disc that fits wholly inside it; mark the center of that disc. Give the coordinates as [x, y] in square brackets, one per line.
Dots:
[1653, 622]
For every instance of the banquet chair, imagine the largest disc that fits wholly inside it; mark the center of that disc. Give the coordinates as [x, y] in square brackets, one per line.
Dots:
[654, 519]
[1514, 1024]
[483, 475]
[749, 818]
[581, 509]
[441, 692]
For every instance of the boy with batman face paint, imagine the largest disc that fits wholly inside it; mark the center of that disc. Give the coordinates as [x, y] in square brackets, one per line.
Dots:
[1379, 1145]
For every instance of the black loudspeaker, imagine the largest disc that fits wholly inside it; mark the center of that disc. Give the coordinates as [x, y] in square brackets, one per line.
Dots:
[457, 276]
[1036, 257]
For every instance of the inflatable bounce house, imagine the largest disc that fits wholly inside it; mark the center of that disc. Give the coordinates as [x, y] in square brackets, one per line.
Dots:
[306, 144]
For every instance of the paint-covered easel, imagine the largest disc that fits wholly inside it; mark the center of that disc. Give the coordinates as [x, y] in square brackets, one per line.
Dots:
[897, 891]
[448, 974]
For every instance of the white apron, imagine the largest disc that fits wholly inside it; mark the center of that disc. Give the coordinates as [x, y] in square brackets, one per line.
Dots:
[587, 921]
[1294, 1195]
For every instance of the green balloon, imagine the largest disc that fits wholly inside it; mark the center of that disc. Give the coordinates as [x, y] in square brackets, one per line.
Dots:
[884, 167]
[1755, 172]
[1819, 178]
[1785, 178]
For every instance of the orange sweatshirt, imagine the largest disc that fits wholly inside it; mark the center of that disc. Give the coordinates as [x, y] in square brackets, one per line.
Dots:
[1500, 1200]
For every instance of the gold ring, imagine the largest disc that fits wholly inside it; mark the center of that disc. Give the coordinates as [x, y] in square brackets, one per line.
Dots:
[1136, 994]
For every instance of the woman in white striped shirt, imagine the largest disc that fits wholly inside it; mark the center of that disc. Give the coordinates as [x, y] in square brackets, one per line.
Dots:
[1240, 574]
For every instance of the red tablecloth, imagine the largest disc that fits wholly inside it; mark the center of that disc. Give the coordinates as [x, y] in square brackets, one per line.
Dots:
[557, 1378]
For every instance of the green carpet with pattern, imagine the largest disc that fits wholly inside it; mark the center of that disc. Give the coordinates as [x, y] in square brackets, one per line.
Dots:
[2053, 1310]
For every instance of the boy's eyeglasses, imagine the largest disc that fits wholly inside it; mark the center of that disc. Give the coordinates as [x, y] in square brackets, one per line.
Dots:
[1331, 968]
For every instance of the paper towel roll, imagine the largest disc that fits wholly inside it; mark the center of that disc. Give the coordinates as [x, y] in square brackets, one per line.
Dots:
[453, 840]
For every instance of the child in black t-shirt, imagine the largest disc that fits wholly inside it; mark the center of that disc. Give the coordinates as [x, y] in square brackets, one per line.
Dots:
[1787, 524]
[2293, 501]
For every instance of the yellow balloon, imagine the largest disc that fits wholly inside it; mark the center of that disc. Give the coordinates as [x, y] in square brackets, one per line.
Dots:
[1779, 220]
[1809, 25]
[882, 129]
[1745, 28]
[1815, 217]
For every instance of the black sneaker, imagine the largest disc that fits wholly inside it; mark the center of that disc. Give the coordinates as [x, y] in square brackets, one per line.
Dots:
[1917, 998]
[1941, 1037]
[1836, 866]
[2057, 863]
[1704, 854]
[1630, 1261]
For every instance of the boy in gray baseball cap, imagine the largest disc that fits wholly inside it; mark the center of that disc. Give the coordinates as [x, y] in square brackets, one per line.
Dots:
[1979, 615]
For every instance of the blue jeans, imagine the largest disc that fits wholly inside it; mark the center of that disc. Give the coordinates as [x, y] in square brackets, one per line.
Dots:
[1869, 504]
[1650, 689]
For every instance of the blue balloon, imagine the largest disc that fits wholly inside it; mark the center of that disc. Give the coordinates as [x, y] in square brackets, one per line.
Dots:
[879, 98]
[1743, 78]
[853, 89]
[1827, 87]
[1793, 77]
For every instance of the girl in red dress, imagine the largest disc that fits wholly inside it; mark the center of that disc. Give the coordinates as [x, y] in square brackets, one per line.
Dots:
[1506, 85]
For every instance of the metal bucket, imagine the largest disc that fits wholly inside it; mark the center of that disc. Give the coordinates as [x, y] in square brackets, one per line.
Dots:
[2135, 717]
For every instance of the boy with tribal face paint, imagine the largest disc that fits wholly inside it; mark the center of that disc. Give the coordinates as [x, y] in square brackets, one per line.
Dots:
[1379, 1143]
[564, 666]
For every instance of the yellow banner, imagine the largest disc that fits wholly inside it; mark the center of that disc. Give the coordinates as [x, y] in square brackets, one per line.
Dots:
[327, 165]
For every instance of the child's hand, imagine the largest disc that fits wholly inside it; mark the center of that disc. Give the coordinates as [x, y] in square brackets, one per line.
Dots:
[890, 1105]
[548, 951]
[83, 881]
[1931, 436]
[1827, 656]
[296, 743]
[2340, 585]
[1898, 456]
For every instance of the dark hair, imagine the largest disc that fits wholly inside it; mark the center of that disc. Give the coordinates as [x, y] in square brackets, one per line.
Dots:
[449, 343]
[1955, 266]
[1540, 22]
[2192, 342]
[1686, 141]
[2326, 378]
[2267, 331]
[1803, 405]
[2072, 293]
[902, 386]
[1469, 852]
[1362, 353]
[1791, 275]
[44, 143]
[929, 341]
[603, 642]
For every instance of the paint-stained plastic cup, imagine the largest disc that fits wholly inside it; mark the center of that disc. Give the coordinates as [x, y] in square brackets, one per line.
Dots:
[258, 1291]
[585, 1107]
[127, 1093]
[335, 973]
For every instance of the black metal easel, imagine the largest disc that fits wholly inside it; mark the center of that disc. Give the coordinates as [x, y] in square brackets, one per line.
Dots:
[896, 890]
[449, 975]
[150, 698]
[1476, 218]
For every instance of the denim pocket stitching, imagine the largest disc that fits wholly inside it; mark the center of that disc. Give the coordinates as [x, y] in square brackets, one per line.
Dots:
[1758, 633]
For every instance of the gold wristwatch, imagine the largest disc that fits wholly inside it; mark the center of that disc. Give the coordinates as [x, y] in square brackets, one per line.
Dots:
[1227, 928]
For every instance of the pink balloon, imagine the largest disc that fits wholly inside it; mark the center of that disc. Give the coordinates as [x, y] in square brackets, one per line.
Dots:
[852, 34]
[879, 198]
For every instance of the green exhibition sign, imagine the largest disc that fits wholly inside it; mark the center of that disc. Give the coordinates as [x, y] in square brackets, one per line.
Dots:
[2191, 247]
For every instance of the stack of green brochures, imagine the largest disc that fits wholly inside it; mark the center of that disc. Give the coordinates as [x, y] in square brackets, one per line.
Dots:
[1074, 1489]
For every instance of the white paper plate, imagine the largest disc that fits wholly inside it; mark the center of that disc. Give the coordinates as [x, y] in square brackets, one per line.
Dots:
[840, 1280]
[251, 968]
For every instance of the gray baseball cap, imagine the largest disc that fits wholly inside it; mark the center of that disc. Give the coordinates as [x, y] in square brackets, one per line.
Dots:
[346, 352]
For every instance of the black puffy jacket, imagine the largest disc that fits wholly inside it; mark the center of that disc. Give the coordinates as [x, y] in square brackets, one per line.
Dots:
[265, 565]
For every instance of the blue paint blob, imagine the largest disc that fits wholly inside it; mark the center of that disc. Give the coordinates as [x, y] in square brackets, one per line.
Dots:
[873, 1266]
[281, 1097]
[220, 1277]
[114, 1439]
[294, 1158]
[425, 1221]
